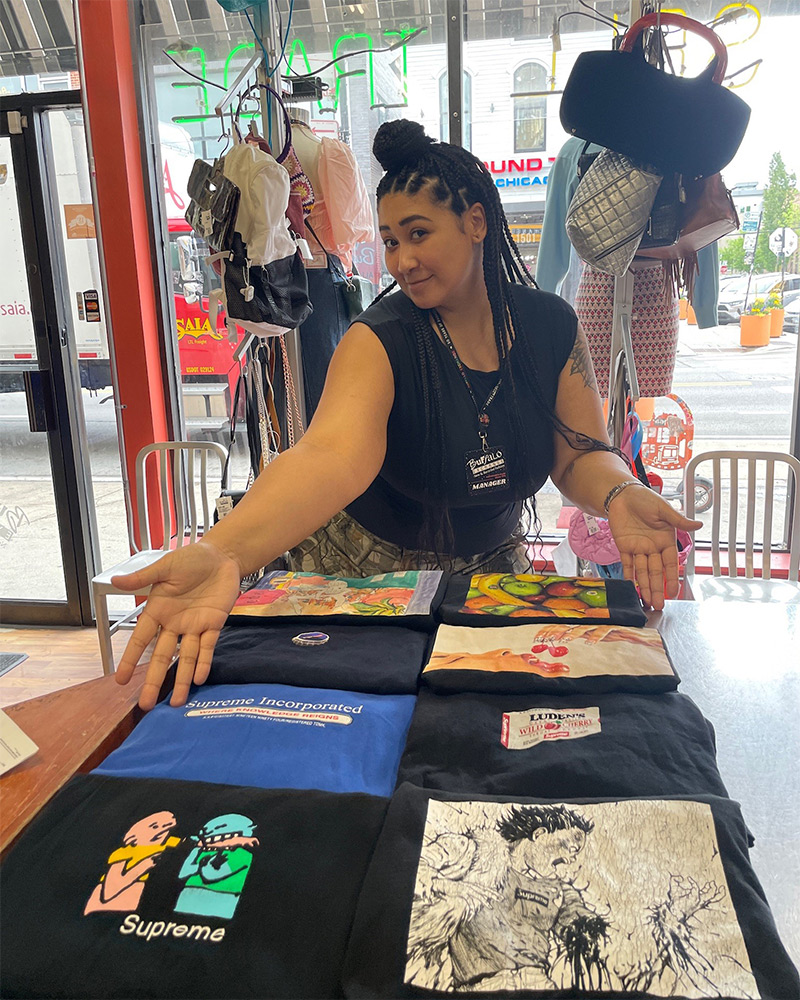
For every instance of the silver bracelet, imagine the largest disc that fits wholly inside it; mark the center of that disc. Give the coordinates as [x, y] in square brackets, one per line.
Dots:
[615, 492]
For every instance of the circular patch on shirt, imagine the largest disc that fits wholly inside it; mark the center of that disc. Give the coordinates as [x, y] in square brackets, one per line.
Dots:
[310, 639]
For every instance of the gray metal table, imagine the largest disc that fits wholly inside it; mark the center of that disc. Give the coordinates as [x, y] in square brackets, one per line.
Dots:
[740, 662]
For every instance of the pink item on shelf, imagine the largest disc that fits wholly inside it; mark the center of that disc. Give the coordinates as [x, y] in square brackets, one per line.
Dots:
[590, 538]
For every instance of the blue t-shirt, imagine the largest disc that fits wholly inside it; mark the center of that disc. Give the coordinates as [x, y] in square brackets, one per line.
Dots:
[271, 736]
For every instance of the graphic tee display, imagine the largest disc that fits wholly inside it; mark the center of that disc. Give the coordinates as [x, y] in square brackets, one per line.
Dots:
[579, 745]
[148, 888]
[382, 661]
[557, 659]
[509, 599]
[650, 897]
[271, 736]
[405, 598]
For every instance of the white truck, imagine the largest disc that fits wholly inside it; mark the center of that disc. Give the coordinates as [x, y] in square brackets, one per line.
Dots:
[83, 292]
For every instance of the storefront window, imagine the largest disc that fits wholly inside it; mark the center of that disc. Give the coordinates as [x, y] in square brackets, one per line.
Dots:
[509, 50]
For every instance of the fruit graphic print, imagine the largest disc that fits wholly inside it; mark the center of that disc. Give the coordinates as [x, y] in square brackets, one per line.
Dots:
[618, 897]
[536, 595]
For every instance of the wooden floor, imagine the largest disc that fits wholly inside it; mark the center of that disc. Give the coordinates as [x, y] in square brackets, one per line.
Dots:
[57, 658]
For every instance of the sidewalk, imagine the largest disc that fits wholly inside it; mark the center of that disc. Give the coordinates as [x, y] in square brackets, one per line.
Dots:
[725, 340]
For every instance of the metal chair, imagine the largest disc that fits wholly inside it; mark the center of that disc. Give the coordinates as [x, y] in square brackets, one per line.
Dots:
[733, 580]
[184, 477]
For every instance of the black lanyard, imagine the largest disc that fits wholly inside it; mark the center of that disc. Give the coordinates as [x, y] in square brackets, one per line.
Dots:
[483, 416]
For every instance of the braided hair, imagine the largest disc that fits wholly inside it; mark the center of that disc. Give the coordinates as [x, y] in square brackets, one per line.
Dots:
[454, 178]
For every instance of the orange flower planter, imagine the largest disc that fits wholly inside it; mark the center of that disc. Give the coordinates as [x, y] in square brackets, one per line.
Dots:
[683, 308]
[754, 331]
[776, 323]
[691, 318]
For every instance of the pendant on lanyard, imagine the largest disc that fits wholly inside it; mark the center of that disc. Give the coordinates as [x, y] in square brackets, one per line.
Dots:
[486, 469]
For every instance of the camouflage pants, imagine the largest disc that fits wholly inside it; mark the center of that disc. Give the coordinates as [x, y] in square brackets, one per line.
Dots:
[342, 547]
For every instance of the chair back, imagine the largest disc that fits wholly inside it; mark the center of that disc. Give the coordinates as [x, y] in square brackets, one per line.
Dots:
[190, 475]
[757, 510]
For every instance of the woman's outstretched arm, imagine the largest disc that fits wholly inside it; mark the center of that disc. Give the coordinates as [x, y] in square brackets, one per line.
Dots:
[642, 523]
[195, 587]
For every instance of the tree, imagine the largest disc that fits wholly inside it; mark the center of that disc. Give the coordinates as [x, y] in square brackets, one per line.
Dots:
[780, 208]
[732, 254]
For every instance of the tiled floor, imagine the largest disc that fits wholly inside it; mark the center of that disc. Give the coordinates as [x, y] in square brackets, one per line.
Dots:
[57, 658]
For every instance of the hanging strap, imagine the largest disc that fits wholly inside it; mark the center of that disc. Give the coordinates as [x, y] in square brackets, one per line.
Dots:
[234, 417]
[292, 406]
[287, 121]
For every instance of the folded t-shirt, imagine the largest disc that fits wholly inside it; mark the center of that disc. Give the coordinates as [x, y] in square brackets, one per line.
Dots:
[552, 659]
[405, 598]
[381, 661]
[580, 745]
[271, 736]
[484, 897]
[508, 599]
[150, 888]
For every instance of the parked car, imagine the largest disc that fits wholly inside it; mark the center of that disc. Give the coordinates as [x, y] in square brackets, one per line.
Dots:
[791, 315]
[733, 293]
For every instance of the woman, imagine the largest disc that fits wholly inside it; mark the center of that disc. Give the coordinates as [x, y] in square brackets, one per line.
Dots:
[446, 405]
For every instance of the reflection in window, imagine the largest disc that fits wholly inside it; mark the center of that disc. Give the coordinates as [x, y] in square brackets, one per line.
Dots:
[530, 113]
[466, 124]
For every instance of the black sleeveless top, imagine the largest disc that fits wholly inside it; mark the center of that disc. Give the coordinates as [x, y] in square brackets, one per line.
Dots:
[391, 507]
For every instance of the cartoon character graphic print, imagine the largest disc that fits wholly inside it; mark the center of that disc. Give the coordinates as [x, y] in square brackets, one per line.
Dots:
[216, 869]
[121, 886]
[620, 897]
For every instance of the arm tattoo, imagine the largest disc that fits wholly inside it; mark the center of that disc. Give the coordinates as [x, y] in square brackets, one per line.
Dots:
[581, 362]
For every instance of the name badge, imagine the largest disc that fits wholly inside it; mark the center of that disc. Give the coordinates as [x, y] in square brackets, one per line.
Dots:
[486, 471]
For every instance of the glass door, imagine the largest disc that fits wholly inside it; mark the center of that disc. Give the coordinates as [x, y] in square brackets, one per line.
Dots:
[48, 538]
[31, 562]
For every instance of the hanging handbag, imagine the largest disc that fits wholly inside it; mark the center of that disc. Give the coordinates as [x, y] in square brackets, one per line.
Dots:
[706, 214]
[267, 299]
[357, 291]
[609, 211]
[214, 202]
[663, 226]
[619, 100]
[358, 294]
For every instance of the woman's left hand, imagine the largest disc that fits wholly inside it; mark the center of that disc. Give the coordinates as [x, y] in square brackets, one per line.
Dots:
[643, 525]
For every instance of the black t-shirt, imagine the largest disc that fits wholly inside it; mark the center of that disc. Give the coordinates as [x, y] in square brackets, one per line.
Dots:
[391, 507]
[479, 896]
[531, 660]
[109, 893]
[492, 599]
[405, 597]
[580, 745]
[380, 661]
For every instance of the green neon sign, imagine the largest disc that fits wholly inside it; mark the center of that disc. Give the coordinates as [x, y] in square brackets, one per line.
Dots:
[296, 50]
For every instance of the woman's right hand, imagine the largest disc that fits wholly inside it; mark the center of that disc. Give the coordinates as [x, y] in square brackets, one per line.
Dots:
[193, 591]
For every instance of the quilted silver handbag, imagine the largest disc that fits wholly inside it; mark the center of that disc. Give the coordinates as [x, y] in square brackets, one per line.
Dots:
[609, 211]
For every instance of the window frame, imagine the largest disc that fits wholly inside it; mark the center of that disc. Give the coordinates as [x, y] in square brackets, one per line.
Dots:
[531, 103]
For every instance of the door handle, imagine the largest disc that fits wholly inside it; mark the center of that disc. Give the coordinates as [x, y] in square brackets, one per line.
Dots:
[35, 399]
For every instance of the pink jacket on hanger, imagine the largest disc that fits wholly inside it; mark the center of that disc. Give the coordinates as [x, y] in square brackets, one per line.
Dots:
[342, 212]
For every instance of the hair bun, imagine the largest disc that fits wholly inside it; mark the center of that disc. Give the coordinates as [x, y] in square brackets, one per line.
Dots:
[400, 143]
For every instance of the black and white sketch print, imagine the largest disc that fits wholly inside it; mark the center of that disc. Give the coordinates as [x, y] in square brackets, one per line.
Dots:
[623, 896]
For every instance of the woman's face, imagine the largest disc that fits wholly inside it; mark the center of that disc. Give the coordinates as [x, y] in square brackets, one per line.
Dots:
[434, 255]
